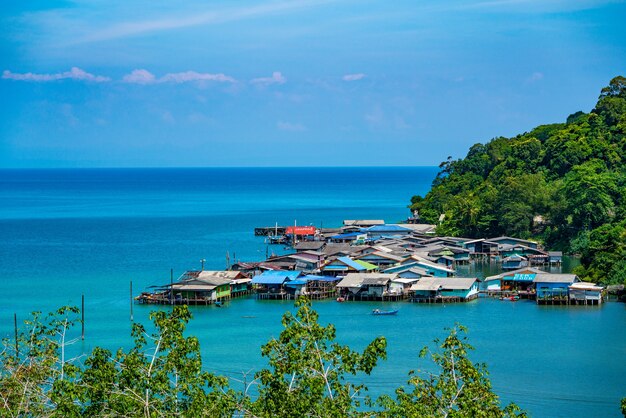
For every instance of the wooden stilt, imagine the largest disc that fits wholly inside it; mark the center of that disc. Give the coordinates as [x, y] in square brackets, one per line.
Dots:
[82, 317]
[17, 350]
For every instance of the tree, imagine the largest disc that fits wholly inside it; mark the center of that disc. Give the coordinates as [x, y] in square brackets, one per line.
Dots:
[307, 374]
[164, 378]
[35, 374]
[461, 389]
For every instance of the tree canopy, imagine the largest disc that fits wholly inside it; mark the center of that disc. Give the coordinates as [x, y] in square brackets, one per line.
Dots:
[161, 375]
[563, 184]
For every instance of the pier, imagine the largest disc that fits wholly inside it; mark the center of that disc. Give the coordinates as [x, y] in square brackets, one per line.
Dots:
[264, 231]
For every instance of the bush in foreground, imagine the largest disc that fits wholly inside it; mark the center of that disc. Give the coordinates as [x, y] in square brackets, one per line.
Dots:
[308, 375]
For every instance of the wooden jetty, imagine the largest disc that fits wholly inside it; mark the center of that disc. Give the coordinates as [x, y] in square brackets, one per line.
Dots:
[264, 231]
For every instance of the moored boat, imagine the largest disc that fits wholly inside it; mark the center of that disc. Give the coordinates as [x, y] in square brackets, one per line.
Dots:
[379, 312]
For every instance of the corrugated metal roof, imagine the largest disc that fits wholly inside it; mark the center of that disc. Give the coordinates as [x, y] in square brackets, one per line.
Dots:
[449, 283]
[356, 279]
[275, 277]
[555, 278]
[458, 283]
[366, 265]
[405, 280]
[387, 228]
[312, 277]
[512, 273]
[427, 284]
[193, 287]
[375, 281]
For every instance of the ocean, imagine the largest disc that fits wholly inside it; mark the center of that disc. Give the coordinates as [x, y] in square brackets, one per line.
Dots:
[71, 232]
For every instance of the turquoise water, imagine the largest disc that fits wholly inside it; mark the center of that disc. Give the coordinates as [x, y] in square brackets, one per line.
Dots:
[64, 233]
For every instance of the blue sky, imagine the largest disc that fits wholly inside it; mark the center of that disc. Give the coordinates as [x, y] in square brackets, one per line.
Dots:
[89, 83]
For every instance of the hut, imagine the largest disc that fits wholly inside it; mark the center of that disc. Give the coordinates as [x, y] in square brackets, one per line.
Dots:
[582, 293]
[321, 287]
[517, 281]
[364, 286]
[514, 262]
[202, 287]
[400, 287]
[344, 265]
[439, 290]
[553, 289]
[387, 230]
[380, 258]
[513, 241]
[432, 269]
[271, 284]
[555, 257]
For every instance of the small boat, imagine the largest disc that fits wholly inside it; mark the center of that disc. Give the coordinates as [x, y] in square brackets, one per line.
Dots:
[510, 298]
[379, 312]
[340, 299]
[219, 304]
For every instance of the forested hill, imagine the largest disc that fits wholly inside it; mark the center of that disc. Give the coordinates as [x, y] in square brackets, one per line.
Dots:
[563, 184]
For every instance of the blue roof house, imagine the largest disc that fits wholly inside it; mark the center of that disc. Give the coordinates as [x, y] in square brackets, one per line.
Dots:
[271, 284]
[553, 289]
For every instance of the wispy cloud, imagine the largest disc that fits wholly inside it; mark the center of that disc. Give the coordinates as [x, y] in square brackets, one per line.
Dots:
[276, 78]
[291, 127]
[125, 29]
[188, 76]
[74, 74]
[353, 77]
[536, 76]
[141, 76]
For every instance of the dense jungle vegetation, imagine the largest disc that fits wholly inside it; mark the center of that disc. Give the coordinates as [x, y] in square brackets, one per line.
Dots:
[562, 184]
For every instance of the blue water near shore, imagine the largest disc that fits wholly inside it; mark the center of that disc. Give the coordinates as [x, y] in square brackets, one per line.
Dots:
[64, 233]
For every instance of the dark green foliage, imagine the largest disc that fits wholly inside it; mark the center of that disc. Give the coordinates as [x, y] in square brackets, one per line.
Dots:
[553, 184]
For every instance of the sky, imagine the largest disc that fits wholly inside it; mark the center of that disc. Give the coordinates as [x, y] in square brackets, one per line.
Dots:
[157, 83]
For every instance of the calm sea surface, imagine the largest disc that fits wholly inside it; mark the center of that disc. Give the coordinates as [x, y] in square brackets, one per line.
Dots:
[64, 233]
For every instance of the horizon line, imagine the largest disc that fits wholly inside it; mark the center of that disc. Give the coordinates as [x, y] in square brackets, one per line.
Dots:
[214, 167]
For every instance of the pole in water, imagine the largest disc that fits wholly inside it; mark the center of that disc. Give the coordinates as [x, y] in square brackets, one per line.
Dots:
[171, 288]
[17, 350]
[82, 316]
[131, 300]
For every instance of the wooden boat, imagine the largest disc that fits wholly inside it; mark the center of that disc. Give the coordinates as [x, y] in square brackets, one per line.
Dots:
[340, 299]
[219, 304]
[510, 298]
[379, 312]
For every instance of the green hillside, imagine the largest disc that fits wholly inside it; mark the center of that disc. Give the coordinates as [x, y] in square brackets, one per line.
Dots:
[563, 184]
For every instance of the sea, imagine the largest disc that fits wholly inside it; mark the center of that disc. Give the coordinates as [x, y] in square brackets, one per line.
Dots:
[93, 233]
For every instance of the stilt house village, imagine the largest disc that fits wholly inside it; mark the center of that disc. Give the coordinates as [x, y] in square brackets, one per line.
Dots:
[369, 260]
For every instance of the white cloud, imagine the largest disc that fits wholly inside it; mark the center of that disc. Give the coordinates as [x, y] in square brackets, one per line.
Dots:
[139, 77]
[353, 77]
[536, 76]
[276, 78]
[188, 76]
[291, 127]
[74, 74]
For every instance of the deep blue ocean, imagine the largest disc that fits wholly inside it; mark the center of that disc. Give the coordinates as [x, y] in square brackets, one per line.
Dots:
[72, 232]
